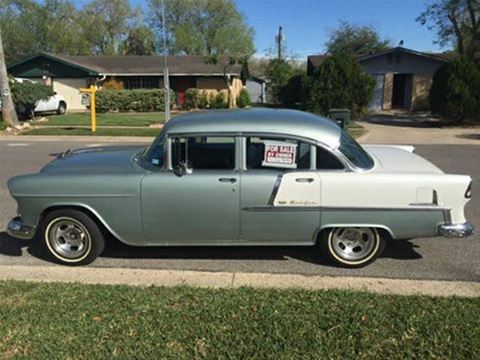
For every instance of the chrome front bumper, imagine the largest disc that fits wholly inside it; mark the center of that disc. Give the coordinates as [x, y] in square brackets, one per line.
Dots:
[456, 230]
[17, 229]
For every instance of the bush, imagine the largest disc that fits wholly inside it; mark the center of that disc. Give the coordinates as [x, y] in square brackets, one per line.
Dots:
[191, 99]
[243, 99]
[202, 100]
[339, 82]
[26, 95]
[291, 93]
[218, 101]
[113, 84]
[455, 92]
[141, 100]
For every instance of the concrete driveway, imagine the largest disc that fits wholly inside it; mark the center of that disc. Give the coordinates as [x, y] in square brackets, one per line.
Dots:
[433, 258]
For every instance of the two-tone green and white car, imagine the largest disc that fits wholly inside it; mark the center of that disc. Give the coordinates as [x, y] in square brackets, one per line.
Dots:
[244, 177]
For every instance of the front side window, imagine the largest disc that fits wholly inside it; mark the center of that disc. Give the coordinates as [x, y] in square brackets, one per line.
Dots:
[204, 152]
[354, 152]
[277, 153]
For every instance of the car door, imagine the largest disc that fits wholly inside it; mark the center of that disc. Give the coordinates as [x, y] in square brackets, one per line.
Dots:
[280, 193]
[200, 207]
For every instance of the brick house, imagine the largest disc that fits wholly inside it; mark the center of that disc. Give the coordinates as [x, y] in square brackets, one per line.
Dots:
[69, 73]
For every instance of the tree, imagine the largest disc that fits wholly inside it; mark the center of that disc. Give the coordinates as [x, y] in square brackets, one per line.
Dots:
[339, 82]
[104, 23]
[355, 39]
[457, 23]
[203, 27]
[455, 91]
[8, 110]
[278, 72]
[50, 26]
[140, 41]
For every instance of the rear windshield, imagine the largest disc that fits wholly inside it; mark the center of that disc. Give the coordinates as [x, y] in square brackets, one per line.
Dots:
[354, 152]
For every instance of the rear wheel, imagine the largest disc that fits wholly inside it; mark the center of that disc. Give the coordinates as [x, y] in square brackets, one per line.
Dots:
[71, 237]
[62, 108]
[352, 246]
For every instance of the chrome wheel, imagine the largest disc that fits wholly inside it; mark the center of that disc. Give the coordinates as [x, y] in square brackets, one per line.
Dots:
[68, 239]
[354, 245]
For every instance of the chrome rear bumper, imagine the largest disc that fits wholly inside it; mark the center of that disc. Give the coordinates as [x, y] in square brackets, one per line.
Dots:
[456, 230]
[17, 229]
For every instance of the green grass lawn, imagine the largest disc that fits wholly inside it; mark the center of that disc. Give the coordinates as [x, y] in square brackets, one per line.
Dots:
[50, 321]
[45, 130]
[108, 119]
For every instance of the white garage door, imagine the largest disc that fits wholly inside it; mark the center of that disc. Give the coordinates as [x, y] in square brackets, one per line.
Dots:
[377, 100]
[68, 88]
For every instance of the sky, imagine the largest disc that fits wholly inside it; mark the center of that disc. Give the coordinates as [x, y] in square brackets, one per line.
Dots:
[306, 23]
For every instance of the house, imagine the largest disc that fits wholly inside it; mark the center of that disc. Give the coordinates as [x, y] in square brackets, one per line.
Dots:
[256, 88]
[403, 76]
[69, 73]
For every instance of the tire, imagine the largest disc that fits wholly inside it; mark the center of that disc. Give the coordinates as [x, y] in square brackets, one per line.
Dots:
[62, 108]
[352, 247]
[71, 237]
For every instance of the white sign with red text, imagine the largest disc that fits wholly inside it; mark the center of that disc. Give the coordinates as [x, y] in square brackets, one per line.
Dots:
[280, 154]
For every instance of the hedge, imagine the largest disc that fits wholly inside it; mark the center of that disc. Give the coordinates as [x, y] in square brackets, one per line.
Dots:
[201, 99]
[140, 100]
[455, 92]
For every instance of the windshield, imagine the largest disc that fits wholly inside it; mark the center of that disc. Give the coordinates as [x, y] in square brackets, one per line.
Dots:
[354, 152]
[154, 154]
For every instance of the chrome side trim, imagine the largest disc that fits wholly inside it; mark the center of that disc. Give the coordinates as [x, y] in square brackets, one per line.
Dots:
[276, 186]
[456, 230]
[446, 212]
[17, 229]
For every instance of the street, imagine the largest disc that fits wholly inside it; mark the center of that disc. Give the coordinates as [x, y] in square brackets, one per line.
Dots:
[432, 258]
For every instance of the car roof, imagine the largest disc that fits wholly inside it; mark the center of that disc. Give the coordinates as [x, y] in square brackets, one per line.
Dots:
[258, 120]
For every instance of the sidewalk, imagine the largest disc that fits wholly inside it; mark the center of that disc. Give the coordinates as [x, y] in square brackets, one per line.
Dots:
[392, 134]
[149, 277]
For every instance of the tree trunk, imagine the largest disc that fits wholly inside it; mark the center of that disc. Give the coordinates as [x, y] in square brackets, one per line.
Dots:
[8, 109]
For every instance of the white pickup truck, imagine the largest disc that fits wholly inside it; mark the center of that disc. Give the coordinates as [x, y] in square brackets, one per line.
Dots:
[54, 104]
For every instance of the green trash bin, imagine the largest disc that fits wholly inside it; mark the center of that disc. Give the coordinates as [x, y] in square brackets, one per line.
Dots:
[340, 116]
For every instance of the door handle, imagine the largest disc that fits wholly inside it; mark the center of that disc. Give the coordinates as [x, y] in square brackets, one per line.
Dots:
[228, 180]
[304, 180]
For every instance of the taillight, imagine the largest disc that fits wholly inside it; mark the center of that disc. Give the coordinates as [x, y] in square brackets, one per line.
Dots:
[468, 193]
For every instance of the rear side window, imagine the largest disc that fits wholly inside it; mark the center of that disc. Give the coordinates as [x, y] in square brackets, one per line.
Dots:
[204, 152]
[327, 161]
[276, 153]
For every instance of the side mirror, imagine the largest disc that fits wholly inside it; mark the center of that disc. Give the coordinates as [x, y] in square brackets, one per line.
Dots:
[180, 169]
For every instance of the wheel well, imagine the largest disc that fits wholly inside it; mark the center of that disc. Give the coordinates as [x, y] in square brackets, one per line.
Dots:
[383, 232]
[86, 211]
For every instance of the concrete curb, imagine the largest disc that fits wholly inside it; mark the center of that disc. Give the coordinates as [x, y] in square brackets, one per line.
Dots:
[147, 277]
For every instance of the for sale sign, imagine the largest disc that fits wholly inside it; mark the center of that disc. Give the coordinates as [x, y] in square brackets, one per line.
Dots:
[280, 154]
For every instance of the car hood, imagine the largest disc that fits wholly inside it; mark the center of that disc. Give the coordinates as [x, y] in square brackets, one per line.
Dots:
[398, 159]
[95, 160]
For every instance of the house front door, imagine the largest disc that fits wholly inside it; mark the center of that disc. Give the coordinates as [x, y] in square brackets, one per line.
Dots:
[182, 85]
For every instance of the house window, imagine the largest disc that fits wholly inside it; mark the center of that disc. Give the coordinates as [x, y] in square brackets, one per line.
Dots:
[145, 82]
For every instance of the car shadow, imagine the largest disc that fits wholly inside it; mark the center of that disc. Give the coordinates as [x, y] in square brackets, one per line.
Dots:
[405, 250]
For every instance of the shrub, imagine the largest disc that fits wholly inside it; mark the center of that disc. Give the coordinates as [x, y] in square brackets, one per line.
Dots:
[191, 99]
[291, 93]
[202, 101]
[113, 84]
[26, 94]
[455, 92]
[243, 99]
[141, 100]
[339, 82]
[218, 101]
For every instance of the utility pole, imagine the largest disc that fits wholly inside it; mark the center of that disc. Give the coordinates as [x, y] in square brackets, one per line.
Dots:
[166, 80]
[9, 115]
[279, 40]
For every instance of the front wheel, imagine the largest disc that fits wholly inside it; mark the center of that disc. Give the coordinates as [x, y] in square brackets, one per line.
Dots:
[352, 247]
[71, 237]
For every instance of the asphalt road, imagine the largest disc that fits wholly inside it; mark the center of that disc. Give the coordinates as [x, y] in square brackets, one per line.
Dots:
[432, 258]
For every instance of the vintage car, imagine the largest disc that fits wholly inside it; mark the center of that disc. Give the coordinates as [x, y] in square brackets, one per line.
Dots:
[244, 177]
